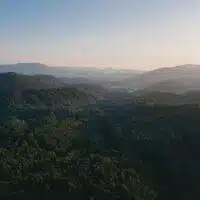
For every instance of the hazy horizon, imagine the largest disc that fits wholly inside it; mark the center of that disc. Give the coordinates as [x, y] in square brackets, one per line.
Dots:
[141, 35]
[101, 67]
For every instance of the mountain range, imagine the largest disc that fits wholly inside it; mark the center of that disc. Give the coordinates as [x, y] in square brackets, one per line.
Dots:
[75, 135]
[83, 73]
[178, 79]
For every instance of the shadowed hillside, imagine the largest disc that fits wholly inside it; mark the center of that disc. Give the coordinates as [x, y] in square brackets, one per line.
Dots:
[40, 92]
[12, 81]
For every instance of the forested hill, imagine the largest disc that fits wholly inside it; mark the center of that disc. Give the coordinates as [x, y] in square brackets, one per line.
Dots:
[58, 141]
[40, 92]
[12, 81]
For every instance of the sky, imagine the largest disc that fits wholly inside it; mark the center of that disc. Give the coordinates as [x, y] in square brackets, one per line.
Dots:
[138, 34]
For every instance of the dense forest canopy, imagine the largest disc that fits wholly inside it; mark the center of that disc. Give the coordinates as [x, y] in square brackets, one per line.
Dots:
[73, 141]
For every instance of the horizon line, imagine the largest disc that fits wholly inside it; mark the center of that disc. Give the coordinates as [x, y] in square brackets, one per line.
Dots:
[97, 67]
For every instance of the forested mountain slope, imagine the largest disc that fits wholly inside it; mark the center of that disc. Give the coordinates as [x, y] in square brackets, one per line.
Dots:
[61, 141]
[40, 92]
[12, 81]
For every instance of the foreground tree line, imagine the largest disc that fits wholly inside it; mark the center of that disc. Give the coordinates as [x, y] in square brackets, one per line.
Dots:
[103, 152]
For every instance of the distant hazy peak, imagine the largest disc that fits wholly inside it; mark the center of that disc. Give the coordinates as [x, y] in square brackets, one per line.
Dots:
[30, 64]
[179, 67]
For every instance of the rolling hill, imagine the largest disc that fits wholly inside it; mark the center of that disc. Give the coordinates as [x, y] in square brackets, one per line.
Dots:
[177, 79]
[12, 81]
[40, 91]
[188, 71]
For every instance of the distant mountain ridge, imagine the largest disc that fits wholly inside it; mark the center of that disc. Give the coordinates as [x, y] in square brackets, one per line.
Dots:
[25, 68]
[168, 73]
[177, 79]
[94, 74]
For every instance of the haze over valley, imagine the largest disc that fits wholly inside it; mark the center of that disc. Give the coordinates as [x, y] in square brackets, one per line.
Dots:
[177, 79]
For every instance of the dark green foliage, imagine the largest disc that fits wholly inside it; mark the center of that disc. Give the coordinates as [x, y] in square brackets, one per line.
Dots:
[39, 92]
[53, 147]
[101, 152]
[56, 158]
[11, 82]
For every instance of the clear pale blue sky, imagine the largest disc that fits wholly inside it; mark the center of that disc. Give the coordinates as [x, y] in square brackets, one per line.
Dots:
[121, 33]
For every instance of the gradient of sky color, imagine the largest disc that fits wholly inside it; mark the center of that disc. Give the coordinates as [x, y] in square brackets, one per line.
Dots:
[140, 34]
